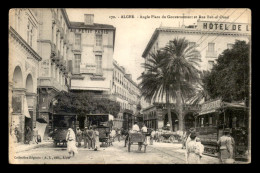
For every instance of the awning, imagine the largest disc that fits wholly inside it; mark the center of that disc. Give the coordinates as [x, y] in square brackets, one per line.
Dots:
[26, 111]
[207, 112]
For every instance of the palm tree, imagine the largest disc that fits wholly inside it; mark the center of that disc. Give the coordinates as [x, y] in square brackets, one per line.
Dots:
[202, 93]
[156, 83]
[181, 63]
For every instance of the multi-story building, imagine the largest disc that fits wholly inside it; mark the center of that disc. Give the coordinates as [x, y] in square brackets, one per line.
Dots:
[23, 69]
[54, 48]
[127, 94]
[211, 39]
[92, 60]
[94, 70]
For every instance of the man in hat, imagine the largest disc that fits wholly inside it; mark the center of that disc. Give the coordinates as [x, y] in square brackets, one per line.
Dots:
[79, 136]
[135, 127]
[225, 143]
[86, 138]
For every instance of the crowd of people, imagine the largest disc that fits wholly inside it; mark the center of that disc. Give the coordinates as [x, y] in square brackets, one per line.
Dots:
[90, 136]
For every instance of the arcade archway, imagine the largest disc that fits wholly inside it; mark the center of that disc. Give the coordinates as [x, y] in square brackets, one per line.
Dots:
[29, 83]
[175, 121]
[17, 78]
[189, 121]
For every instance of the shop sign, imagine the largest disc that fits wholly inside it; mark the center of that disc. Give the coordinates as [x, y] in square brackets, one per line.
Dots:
[88, 68]
[224, 26]
[210, 106]
[96, 31]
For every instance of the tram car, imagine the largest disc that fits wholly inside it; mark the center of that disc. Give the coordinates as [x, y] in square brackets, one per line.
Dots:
[61, 123]
[103, 123]
[217, 115]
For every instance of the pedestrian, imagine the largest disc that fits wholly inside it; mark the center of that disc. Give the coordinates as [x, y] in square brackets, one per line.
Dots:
[152, 136]
[118, 134]
[90, 134]
[113, 134]
[71, 143]
[184, 138]
[35, 135]
[192, 157]
[192, 130]
[17, 134]
[96, 139]
[199, 149]
[85, 137]
[79, 136]
[226, 143]
[28, 135]
[135, 127]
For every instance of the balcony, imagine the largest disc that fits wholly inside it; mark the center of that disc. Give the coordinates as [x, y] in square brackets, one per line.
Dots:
[211, 54]
[53, 50]
[51, 83]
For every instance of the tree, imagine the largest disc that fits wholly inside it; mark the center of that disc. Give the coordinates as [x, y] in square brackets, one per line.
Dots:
[181, 64]
[229, 77]
[201, 91]
[85, 103]
[155, 82]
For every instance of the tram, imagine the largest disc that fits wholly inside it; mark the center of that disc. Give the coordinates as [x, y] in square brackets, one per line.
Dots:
[61, 122]
[217, 115]
[103, 123]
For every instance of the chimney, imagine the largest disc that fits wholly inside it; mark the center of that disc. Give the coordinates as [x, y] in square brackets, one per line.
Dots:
[89, 19]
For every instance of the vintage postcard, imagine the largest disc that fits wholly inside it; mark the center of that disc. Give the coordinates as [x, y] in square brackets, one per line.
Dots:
[129, 86]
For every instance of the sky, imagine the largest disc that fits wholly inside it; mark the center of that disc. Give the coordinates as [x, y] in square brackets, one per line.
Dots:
[133, 34]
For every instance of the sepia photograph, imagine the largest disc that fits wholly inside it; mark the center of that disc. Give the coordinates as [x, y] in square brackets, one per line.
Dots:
[129, 86]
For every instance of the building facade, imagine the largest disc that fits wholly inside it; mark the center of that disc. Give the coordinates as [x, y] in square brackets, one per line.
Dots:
[126, 92]
[94, 70]
[55, 49]
[92, 56]
[211, 39]
[23, 69]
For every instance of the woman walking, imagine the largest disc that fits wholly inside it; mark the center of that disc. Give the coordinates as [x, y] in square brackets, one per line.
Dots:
[71, 143]
[192, 157]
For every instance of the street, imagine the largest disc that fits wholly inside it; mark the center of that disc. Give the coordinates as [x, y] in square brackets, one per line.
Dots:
[159, 153]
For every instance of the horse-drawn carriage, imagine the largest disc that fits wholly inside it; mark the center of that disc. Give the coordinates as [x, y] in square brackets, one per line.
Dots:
[137, 138]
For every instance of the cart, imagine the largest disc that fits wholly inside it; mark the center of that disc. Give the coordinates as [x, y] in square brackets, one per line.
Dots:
[169, 137]
[137, 139]
[103, 135]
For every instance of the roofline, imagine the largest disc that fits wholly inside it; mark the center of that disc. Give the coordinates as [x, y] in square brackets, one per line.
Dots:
[187, 30]
[63, 10]
[131, 80]
[153, 38]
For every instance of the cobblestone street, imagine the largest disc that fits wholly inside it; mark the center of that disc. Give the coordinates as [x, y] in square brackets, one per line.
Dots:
[159, 153]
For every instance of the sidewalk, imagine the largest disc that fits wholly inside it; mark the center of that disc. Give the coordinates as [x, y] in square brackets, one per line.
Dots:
[19, 147]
